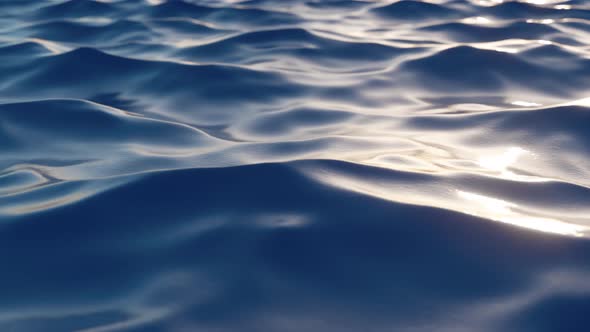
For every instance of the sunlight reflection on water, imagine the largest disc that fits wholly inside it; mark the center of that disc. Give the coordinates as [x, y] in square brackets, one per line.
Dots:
[503, 211]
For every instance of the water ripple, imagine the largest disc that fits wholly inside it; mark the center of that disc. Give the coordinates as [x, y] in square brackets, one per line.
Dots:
[317, 165]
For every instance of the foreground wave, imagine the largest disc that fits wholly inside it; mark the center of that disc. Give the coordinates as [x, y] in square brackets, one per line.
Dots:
[296, 165]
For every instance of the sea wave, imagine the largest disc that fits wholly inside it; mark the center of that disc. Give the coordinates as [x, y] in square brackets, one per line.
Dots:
[256, 165]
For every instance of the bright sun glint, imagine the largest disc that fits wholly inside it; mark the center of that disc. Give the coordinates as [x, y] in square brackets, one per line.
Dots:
[506, 212]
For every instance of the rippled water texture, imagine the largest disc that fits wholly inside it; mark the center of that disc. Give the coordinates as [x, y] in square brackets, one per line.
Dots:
[294, 165]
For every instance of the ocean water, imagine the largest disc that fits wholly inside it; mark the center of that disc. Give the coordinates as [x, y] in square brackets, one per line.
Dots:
[294, 165]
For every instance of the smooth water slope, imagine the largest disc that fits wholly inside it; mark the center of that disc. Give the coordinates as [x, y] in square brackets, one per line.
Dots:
[294, 165]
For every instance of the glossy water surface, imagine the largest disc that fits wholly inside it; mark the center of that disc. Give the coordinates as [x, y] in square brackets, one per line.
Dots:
[294, 165]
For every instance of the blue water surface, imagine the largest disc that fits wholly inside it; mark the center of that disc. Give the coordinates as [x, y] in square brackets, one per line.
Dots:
[294, 165]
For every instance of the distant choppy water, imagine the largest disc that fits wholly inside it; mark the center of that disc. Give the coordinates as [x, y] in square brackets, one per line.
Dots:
[294, 166]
